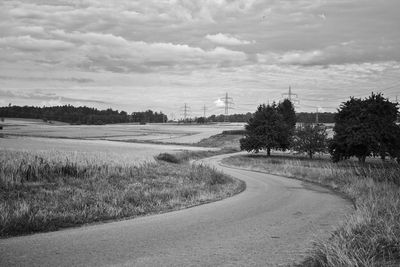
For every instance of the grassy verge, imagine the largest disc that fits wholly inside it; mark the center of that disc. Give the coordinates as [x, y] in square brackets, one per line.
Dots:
[41, 191]
[371, 235]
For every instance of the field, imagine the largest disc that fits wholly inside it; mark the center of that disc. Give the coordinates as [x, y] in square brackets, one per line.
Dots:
[164, 133]
[45, 191]
[105, 151]
[136, 143]
[56, 175]
[371, 235]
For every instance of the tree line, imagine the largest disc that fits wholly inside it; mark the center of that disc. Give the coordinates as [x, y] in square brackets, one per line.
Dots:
[80, 115]
[363, 128]
[301, 117]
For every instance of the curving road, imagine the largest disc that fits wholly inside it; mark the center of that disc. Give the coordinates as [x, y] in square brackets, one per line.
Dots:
[272, 222]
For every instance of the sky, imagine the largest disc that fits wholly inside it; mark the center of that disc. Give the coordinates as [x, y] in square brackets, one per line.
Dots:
[138, 55]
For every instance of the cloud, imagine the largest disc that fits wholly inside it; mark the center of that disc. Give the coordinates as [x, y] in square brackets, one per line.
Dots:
[219, 103]
[72, 79]
[301, 57]
[227, 39]
[27, 43]
[137, 46]
[342, 53]
[43, 96]
[52, 102]
[117, 54]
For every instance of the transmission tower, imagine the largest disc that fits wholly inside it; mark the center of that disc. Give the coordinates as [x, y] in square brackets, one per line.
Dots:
[204, 111]
[228, 102]
[290, 96]
[185, 111]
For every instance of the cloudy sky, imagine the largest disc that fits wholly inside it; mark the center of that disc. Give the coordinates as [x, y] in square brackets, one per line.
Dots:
[135, 55]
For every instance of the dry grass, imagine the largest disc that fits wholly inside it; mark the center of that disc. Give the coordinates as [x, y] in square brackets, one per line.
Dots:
[45, 191]
[371, 235]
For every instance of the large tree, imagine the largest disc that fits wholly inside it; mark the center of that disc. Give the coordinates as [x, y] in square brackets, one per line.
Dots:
[271, 127]
[286, 109]
[366, 127]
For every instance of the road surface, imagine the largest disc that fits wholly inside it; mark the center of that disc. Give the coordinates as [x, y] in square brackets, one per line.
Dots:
[272, 222]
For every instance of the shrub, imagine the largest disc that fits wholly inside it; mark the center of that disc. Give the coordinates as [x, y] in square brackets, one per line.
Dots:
[168, 158]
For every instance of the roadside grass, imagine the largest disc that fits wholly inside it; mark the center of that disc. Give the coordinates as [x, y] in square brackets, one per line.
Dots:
[227, 140]
[368, 237]
[46, 190]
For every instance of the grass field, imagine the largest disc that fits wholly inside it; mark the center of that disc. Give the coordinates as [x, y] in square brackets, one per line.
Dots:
[371, 235]
[45, 191]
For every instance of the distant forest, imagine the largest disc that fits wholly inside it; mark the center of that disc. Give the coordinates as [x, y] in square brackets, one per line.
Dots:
[80, 115]
[86, 115]
[302, 117]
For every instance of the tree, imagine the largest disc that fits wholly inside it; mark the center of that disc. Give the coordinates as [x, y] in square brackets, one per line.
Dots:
[366, 128]
[286, 109]
[310, 139]
[201, 120]
[271, 127]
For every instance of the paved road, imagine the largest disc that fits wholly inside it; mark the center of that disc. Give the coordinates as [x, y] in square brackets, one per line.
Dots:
[271, 223]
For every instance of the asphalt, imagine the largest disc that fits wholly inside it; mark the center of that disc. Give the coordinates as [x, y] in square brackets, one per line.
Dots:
[272, 223]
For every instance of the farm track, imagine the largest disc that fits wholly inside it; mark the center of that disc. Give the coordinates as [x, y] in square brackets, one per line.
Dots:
[272, 222]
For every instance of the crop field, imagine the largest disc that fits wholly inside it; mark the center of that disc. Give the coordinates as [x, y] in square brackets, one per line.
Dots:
[110, 151]
[166, 133]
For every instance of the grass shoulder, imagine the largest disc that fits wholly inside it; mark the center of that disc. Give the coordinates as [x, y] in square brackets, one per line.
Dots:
[371, 235]
[40, 192]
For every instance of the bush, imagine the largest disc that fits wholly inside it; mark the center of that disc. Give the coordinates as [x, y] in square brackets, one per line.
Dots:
[168, 158]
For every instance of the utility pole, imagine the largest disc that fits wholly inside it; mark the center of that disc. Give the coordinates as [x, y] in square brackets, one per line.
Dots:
[228, 102]
[316, 116]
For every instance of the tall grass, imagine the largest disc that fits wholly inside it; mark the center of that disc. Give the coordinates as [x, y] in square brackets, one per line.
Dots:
[371, 235]
[44, 191]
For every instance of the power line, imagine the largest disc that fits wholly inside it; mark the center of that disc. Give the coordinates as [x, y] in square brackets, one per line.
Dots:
[358, 95]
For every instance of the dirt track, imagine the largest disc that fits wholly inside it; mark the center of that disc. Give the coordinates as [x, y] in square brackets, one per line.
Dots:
[272, 222]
